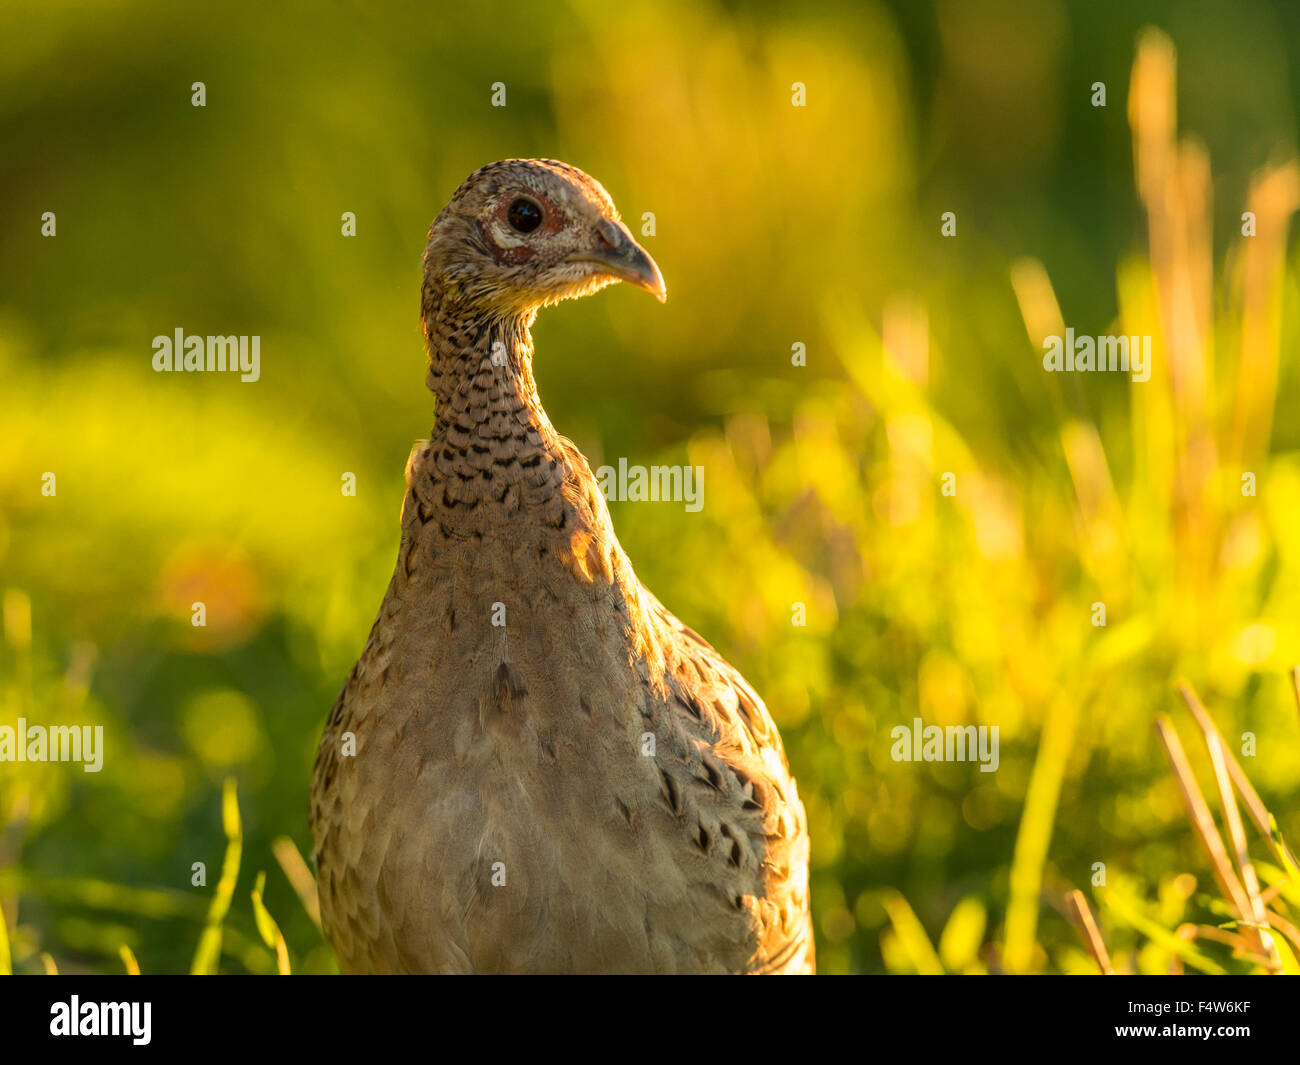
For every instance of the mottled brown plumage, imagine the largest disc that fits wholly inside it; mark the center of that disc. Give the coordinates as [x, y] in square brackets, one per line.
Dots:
[588, 787]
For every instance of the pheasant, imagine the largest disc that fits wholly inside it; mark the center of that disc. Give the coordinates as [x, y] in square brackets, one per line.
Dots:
[534, 766]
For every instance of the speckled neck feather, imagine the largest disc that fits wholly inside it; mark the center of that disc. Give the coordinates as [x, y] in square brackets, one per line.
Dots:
[492, 449]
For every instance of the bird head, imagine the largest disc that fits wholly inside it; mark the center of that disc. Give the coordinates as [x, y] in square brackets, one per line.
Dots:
[525, 233]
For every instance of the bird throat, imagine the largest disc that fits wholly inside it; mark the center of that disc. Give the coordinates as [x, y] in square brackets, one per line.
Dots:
[493, 452]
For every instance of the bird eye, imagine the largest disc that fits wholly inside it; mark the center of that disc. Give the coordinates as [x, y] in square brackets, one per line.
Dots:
[524, 215]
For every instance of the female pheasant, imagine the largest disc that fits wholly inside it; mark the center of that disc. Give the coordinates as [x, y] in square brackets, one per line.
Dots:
[535, 767]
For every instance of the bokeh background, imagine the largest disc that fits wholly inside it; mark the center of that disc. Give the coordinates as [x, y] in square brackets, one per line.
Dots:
[775, 225]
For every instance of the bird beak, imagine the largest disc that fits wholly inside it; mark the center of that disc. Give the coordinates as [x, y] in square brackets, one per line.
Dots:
[622, 257]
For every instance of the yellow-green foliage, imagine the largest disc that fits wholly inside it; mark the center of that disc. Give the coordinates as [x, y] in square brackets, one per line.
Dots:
[776, 225]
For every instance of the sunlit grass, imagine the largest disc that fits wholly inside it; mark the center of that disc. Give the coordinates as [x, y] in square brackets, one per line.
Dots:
[822, 489]
[1261, 931]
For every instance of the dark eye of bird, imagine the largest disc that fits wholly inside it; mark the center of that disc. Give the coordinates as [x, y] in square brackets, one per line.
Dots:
[524, 215]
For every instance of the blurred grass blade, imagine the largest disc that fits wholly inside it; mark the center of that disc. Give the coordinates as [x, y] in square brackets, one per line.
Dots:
[208, 955]
[911, 935]
[1035, 834]
[1229, 935]
[1283, 852]
[959, 943]
[1256, 915]
[16, 614]
[267, 928]
[299, 876]
[102, 895]
[1202, 821]
[1273, 198]
[1091, 935]
[1254, 804]
[1128, 912]
[1292, 967]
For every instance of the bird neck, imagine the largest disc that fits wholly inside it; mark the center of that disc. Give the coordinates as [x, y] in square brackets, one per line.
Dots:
[493, 452]
[481, 371]
[496, 473]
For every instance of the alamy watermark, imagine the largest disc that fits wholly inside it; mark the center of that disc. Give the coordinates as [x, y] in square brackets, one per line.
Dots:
[640, 484]
[77, 1018]
[1071, 354]
[58, 743]
[198, 354]
[953, 743]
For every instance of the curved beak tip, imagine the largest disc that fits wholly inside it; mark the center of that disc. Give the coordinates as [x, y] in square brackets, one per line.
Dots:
[625, 259]
[643, 272]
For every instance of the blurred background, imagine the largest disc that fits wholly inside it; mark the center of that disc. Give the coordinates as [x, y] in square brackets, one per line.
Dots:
[775, 225]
